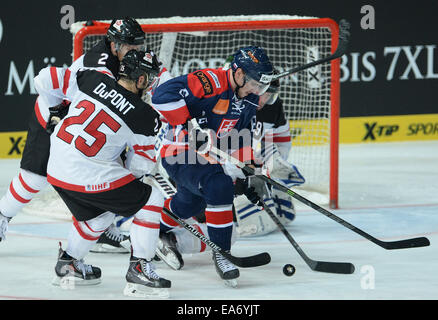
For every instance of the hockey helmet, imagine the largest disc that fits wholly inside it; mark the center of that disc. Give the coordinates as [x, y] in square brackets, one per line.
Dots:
[126, 31]
[140, 63]
[256, 66]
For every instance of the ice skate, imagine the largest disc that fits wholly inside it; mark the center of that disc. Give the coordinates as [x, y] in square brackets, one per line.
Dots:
[71, 272]
[168, 252]
[112, 241]
[226, 270]
[144, 282]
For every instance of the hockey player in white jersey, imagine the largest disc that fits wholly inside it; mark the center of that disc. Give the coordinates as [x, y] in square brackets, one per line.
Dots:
[106, 118]
[122, 35]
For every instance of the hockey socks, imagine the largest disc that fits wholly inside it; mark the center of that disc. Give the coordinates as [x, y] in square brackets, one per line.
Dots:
[219, 221]
[145, 227]
[21, 191]
[84, 234]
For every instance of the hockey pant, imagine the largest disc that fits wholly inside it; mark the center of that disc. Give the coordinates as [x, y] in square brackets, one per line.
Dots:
[144, 230]
[202, 187]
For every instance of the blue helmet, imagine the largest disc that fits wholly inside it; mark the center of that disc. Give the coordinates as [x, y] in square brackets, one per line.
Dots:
[255, 63]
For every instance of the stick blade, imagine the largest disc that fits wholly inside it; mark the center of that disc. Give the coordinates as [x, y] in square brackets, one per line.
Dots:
[333, 267]
[252, 261]
[405, 244]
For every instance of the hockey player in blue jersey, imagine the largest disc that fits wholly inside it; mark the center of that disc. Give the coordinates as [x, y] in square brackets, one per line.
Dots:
[224, 103]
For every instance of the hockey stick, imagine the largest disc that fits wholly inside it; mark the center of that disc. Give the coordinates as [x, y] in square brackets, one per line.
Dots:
[322, 266]
[344, 35]
[389, 245]
[243, 262]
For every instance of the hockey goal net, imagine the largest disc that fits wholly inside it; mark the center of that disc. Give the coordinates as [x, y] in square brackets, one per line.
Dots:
[311, 97]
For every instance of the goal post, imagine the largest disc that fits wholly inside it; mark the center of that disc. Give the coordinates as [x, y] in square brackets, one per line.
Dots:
[311, 97]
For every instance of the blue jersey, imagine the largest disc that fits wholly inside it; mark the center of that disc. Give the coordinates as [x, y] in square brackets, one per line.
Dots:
[207, 95]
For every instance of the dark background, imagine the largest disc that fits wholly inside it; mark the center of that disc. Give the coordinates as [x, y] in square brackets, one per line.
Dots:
[32, 38]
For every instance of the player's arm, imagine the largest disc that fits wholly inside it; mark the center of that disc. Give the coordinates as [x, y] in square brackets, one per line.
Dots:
[141, 153]
[56, 89]
[176, 99]
[169, 100]
[51, 104]
[49, 83]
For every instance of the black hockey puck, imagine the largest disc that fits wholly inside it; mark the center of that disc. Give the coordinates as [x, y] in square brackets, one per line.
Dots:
[288, 270]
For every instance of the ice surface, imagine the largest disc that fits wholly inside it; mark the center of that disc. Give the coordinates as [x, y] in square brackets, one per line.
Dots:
[389, 190]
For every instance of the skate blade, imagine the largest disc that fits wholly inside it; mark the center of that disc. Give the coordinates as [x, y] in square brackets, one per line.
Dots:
[70, 283]
[141, 291]
[104, 248]
[231, 283]
[171, 260]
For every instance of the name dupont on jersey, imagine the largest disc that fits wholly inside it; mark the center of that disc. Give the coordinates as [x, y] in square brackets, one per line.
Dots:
[117, 100]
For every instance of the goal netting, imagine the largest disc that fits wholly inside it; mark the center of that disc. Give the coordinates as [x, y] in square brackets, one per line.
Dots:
[311, 97]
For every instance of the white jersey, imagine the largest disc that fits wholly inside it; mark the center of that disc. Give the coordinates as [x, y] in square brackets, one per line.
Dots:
[104, 120]
[98, 58]
[276, 128]
[55, 80]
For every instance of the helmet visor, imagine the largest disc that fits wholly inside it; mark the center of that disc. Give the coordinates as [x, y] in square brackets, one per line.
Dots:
[256, 87]
[124, 47]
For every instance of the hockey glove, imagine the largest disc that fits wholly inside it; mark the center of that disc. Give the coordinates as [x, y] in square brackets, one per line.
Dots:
[57, 113]
[242, 187]
[200, 136]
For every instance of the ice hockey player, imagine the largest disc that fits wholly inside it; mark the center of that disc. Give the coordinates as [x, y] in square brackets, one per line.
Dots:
[104, 119]
[122, 36]
[250, 220]
[224, 104]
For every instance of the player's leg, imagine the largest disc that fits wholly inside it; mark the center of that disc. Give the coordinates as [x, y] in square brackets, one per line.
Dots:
[142, 279]
[86, 228]
[112, 241]
[279, 168]
[218, 190]
[209, 182]
[32, 175]
[185, 204]
[22, 189]
[186, 243]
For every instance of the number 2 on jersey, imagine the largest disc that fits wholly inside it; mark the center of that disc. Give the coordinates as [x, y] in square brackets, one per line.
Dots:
[92, 128]
[103, 58]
